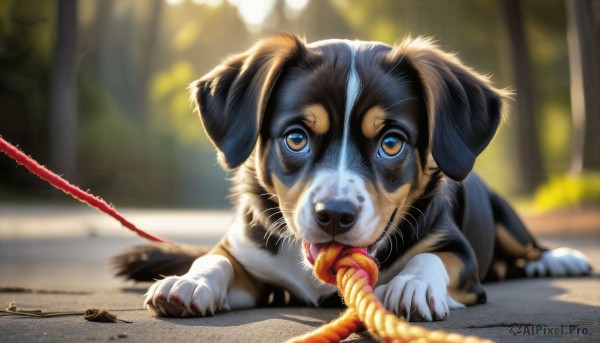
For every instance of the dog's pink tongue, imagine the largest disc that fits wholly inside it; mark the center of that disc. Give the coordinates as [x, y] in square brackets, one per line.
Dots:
[312, 251]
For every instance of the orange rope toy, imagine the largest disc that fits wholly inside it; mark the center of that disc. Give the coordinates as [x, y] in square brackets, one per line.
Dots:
[354, 272]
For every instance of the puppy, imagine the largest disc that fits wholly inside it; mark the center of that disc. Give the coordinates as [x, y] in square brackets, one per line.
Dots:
[359, 143]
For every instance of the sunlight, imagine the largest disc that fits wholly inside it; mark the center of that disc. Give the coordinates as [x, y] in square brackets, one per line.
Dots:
[570, 294]
[174, 2]
[254, 13]
[294, 8]
[296, 5]
[211, 3]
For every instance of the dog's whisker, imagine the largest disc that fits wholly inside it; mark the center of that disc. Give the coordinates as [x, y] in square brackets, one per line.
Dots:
[271, 196]
[396, 229]
[413, 228]
[391, 250]
[276, 225]
[415, 219]
[388, 236]
[421, 214]
[274, 208]
[274, 214]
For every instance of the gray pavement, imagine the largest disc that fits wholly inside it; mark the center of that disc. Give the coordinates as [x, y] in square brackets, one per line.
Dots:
[62, 256]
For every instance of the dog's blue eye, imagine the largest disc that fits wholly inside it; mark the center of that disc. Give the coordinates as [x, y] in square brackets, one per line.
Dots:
[296, 141]
[391, 146]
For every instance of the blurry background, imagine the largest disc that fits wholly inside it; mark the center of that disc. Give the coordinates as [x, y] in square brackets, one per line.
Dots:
[96, 89]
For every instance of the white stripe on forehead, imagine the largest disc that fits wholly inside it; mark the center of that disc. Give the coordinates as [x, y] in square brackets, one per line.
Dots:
[353, 87]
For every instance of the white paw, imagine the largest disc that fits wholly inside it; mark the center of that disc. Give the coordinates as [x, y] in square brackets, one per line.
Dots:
[202, 291]
[420, 291]
[559, 262]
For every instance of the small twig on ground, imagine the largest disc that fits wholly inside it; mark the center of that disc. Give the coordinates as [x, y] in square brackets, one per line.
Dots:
[93, 315]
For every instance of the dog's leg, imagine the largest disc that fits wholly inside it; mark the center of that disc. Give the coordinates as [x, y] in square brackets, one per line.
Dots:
[559, 262]
[440, 275]
[516, 244]
[420, 291]
[215, 282]
[464, 286]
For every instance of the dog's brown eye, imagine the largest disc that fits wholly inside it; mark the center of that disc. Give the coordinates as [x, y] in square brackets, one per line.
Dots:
[391, 146]
[296, 141]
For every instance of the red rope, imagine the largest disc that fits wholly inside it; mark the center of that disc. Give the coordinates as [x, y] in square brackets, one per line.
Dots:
[76, 192]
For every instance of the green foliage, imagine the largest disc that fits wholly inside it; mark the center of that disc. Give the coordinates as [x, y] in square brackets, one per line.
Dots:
[27, 34]
[173, 110]
[555, 135]
[117, 159]
[565, 190]
[106, 137]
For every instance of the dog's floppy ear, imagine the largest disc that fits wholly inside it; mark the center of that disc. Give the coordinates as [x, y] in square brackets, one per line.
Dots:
[233, 97]
[464, 109]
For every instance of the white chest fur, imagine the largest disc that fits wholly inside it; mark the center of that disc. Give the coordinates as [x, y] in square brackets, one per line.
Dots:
[286, 269]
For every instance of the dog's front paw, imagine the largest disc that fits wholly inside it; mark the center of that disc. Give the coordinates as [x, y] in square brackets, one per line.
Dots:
[420, 291]
[559, 262]
[414, 299]
[200, 292]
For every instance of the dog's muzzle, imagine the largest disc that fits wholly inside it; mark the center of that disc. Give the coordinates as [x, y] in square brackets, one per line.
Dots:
[336, 207]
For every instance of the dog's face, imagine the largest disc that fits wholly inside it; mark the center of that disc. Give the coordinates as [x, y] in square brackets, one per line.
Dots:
[347, 135]
[342, 150]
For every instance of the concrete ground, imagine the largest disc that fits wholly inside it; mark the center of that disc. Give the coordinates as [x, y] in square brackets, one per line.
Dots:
[58, 259]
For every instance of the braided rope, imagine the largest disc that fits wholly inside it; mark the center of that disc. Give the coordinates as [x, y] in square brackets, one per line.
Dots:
[354, 272]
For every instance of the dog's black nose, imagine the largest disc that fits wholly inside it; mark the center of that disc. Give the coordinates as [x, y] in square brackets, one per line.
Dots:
[335, 216]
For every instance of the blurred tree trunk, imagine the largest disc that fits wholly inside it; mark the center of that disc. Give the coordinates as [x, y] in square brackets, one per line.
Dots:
[528, 150]
[116, 54]
[146, 60]
[124, 69]
[583, 38]
[63, 92]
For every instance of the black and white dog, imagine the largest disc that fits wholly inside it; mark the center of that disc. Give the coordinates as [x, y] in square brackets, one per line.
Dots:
[360, 143]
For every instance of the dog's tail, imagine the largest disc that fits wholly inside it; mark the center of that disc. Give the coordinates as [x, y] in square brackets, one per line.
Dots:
[155, 261]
